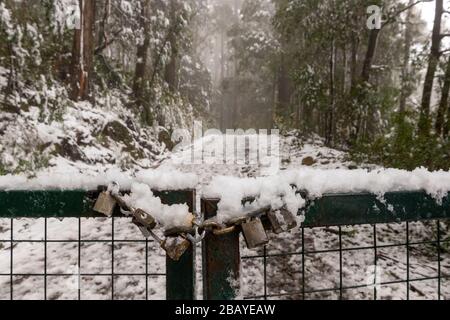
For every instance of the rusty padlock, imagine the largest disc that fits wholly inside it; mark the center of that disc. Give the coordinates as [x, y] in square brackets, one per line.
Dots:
[254, 233]
[175, 247]
[281, 220]
[289, 219]
[105, 204]
[276, 221]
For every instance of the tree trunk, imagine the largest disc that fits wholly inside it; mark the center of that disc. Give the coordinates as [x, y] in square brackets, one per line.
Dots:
[171, 71]
[83, 52]
[405, 92]
[223, 105]
[425, 121]
[329, 119]
[102, 37]
[353, 64]
[447, 124]
[284, 90]
[142, 53]
[364, 115]
[370, 55]
[443, 105]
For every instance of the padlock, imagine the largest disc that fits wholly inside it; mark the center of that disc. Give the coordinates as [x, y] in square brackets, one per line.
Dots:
[175, 247]
[254, 233]
[289, 219]
[179, 230]
[145, 230]
[276, 221]
[105, 204]
[144, 218]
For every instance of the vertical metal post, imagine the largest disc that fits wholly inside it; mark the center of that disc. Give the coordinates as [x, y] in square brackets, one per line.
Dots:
[375, 262]
[407, 263]
[221, 260]
[112, 257]
[340, 265]
[45, 258]
[180, 281]
[439, 257]
[79, 259]
[11, 261]
[265, 271]
[303, 265]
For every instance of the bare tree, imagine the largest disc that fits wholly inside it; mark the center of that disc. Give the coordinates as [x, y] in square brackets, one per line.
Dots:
[433, 61]
[171, 70]
[83, 51]
[142, 52]
[406, 60]
[444, 105]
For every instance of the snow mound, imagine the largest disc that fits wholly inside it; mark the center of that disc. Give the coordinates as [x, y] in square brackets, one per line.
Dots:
[167, 216]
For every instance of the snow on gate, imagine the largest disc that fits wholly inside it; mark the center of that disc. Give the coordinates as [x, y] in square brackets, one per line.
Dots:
[398, 248]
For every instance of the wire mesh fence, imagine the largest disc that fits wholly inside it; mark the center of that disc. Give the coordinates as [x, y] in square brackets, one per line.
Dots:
[54, 246]
[79, 259]
[388, 261]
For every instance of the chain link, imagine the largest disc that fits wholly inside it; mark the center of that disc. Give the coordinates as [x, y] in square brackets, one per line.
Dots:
[194, 233]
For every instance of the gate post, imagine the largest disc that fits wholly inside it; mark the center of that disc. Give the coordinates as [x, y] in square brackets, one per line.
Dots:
[221, 260]
[180, 275]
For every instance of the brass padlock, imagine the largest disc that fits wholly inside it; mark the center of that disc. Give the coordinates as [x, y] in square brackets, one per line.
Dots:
[105, 204]
[254, 233]
[175, 247]
[289, 219]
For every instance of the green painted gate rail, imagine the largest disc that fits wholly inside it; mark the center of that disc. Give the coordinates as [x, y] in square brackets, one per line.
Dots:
[221, 271]
[180, 276]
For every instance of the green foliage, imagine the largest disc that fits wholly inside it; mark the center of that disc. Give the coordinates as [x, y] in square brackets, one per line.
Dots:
[3, 170]
[38, 161]
[404, 149]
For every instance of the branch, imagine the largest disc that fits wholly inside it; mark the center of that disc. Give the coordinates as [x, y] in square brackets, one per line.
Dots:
[105, 45]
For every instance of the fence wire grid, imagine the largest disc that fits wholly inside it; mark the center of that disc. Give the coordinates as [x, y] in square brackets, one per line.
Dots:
[406, 261]
[99, 265]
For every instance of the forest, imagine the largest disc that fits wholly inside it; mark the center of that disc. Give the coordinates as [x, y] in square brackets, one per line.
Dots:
[305, 66]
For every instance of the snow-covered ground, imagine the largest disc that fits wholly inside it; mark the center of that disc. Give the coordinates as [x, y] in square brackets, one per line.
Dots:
[284, 273]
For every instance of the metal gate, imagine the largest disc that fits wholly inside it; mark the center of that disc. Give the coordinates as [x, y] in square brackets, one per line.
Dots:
[277, 271]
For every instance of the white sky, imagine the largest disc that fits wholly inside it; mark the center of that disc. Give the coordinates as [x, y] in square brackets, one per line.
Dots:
[428, 12]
